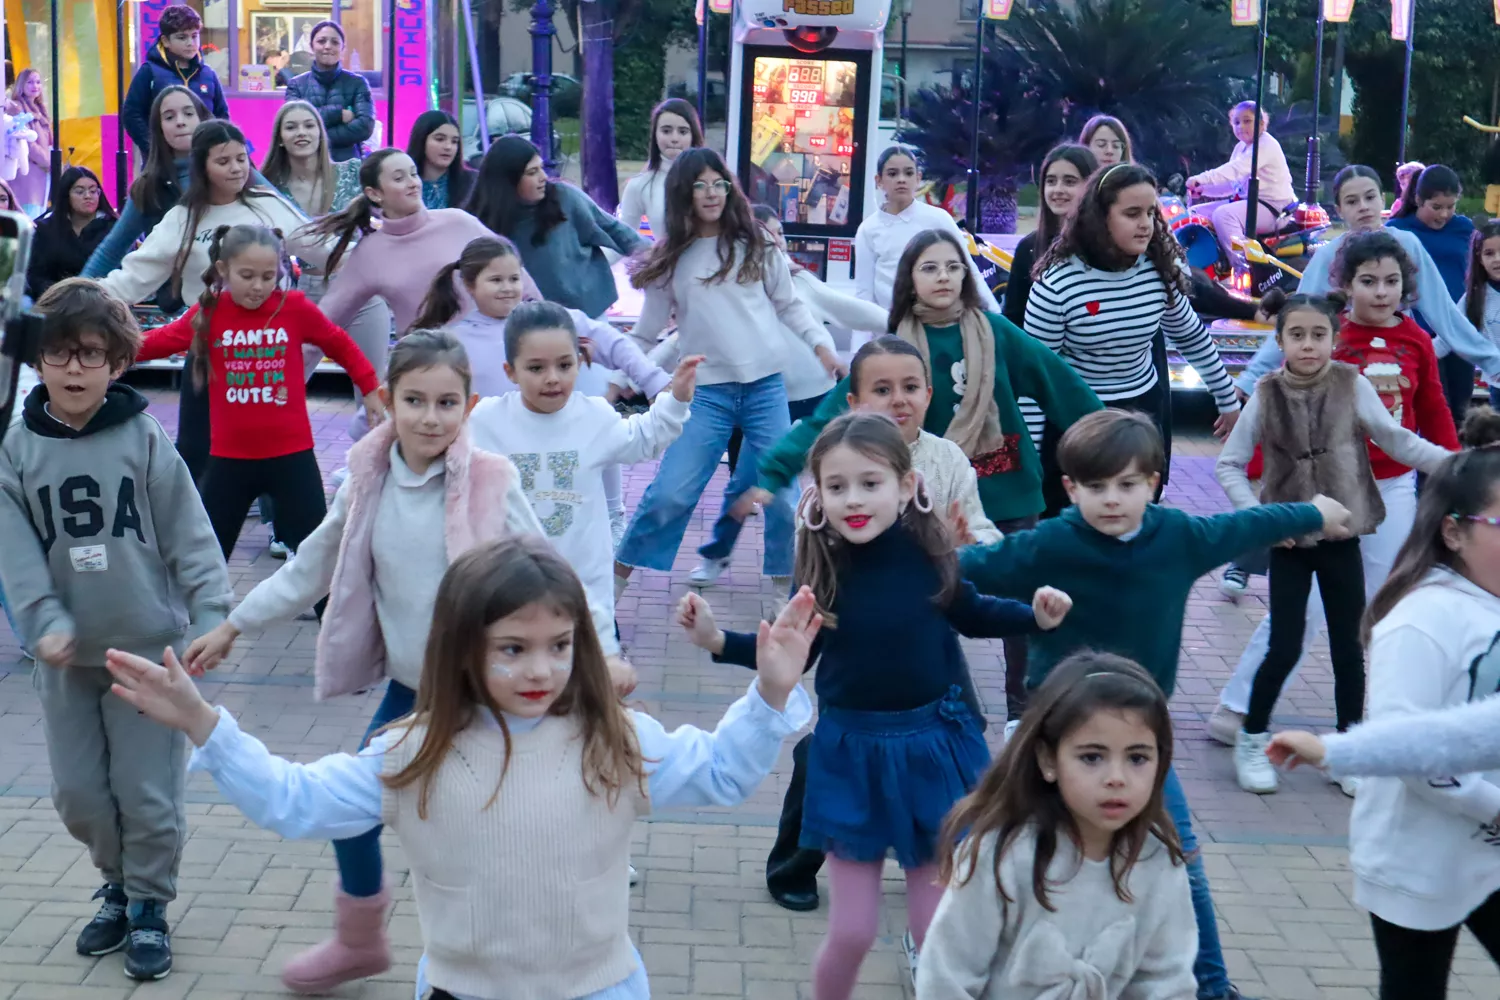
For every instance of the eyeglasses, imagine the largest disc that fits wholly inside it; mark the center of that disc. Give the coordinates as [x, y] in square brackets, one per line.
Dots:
[932, 269]
[1493, 522]
[88, 357]
[717, 187]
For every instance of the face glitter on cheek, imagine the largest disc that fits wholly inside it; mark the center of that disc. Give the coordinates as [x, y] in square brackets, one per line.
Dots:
[500, 670]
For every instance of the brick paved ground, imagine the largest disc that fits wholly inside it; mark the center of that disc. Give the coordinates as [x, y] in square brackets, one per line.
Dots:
[701, 916]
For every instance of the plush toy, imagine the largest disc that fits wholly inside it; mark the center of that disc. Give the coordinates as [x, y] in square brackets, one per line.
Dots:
[16, 136]
[1490, 168]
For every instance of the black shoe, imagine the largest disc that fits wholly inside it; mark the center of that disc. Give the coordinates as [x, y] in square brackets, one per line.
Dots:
[798, 900]
[106, 932]
[148, 952]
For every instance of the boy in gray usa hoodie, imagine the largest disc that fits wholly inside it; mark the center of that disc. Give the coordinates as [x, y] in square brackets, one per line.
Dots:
[104, 543]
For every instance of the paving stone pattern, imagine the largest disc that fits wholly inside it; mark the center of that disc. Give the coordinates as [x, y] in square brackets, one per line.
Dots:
[701, 917]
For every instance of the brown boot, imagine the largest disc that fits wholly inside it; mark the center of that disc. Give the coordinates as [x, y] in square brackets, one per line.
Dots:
[357, 950]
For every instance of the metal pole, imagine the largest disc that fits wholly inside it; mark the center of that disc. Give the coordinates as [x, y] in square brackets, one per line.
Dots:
[122, 158]
[56, 110]
[1252, 192]
[905, 16]
[1411, 38]
[971, 197]
[541, 80]
[390, 78]
[703, 62]
[1314, 177]
[479, 109]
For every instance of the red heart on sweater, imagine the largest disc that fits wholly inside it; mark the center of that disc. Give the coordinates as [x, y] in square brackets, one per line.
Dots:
[1092, 307]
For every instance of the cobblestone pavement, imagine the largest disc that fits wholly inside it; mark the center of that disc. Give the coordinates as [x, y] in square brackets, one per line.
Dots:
[701, 916]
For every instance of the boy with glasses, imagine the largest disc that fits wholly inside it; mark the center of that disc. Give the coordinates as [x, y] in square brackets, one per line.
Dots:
[106, 546]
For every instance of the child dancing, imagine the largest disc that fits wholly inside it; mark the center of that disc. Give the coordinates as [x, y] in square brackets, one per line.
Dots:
[1068, 877]
[106, 546]
[897, 740]
[1312, 419]
[418, 495]
[515, 784]
[1481, 299]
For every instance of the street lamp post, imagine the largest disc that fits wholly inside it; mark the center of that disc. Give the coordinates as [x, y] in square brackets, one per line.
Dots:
[57, 111]
[703, 61]
[976, 94]
[905, 17]
[1411, 37]
[1313, 180]
[542, 32]
[1252, 192]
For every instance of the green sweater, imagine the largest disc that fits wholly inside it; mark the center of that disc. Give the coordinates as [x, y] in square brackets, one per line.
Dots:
[1023, 367]
[1128, 596]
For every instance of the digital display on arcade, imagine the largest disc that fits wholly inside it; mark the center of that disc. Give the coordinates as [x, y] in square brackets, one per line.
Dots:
[802, 114]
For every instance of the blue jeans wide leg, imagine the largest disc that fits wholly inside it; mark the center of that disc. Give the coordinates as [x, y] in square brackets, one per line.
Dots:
[361, 870]
[1208, 967]
[764, 417]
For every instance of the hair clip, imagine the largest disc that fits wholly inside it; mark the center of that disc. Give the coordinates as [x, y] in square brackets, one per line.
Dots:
[806, 507]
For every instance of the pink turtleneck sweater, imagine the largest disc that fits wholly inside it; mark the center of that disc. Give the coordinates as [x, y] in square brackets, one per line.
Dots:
[398, 262]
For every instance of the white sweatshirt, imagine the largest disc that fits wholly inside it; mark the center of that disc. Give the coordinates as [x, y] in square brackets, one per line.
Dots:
[562, 457]
[882, 239]
[1233, 177]
[149, 265]
[646, 196]
[1426, 850]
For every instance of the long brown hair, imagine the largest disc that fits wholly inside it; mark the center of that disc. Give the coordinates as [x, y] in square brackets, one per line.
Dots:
[277, 167]
[671, 106]
[1048, 225]
[357, 217]
[482, 586]
[820, 551]
[35, 105]
[227, 243]
[442, 303]
[1013, 796]
[156, 189]
[904, 288]
[1462, 487]
[1086, 235]
[208, 135]
[1478, 280]
[738, 230]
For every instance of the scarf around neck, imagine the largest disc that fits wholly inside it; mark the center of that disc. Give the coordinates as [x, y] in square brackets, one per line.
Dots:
[976, 426]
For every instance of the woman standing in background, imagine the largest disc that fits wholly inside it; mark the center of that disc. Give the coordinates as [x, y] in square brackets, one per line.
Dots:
[32, 186]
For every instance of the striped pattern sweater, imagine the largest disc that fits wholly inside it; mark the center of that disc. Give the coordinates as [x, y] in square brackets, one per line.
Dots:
[1102, 322]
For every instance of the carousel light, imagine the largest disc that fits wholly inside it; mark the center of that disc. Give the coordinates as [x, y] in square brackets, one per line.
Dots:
[811, 38]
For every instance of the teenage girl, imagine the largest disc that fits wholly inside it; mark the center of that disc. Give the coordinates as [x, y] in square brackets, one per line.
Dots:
[25, 97]
[674, 128]
[1314, 406]
[1429, 211]
[68, 234]
[1065, 174]
[882, 238]
[437, 148]
[1108, 139]
[1111, 280]
[1397, 356]
[1231, 180]
[719, 274]
[563, 442]
[418, 495]
[564, 238]
[897, 743]
[979, 364]
[246, 347]
[1481, 300]
[1068, 874]
[514, 786]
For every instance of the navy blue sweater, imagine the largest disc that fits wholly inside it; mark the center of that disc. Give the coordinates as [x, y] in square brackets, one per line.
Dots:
[894, 647]
[1448, 247]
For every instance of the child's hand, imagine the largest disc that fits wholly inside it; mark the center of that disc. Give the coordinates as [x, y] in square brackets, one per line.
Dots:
[831, 363]
[613, 394]
[205, 652]
[586, 350]
[748, 501]
[685, 378]
[958, 523]
[164, 692]
[1050, 606]
[1295, 747]
[56, 649]
[781, 649]
[697, 620]
[374, 408]
[1335, 517]
[622, 675]
[1225, 424]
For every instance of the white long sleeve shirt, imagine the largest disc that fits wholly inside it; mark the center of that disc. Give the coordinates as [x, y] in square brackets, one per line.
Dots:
[645, 196]
[562, 457]
[483, 338]
[1233, 177]
[882, 239]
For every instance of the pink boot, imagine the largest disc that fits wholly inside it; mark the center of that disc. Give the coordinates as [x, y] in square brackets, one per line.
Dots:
[357, 950]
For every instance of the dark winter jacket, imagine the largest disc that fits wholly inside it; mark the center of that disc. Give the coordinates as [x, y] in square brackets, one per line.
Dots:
[57, 252]
[331, 92]
[158, 72]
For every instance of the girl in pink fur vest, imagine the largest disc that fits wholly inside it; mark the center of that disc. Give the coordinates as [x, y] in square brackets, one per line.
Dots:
[418, 496]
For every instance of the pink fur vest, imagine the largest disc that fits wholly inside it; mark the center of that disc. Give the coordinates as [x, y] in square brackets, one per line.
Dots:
[351, 650]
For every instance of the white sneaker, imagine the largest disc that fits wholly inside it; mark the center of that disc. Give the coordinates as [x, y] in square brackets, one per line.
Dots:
[1234, 583]
[1225, 724]
[278, 549]
[635, 876]
[1348, 785]
[909, 945]
[707, 572]
[1010, 730]
[1252, 768]
[617, 526]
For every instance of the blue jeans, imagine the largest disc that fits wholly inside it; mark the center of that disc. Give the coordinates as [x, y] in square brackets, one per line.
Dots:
[1208, 967]
[661, 519]
[727, 529]
[361, 870]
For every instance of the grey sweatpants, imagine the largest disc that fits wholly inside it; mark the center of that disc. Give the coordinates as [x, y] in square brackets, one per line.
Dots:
[117, 780]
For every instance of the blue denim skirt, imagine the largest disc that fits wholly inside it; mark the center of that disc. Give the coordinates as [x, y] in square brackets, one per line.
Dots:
[883, 782]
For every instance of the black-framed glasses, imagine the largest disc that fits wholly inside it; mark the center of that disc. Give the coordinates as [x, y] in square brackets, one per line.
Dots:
[88, 357]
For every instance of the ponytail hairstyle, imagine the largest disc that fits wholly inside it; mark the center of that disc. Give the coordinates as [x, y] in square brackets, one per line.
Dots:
[156, 189]
[421, 349]
[1353, 171]
[442, 303]
[1086, 235]
[1048, 225]
[820, 549]
[528, 318]
[1461, 488]
[1362, 248]
[460, 175]
[1478, 278]
[904, 288]
[1281, 305]
[227, 243]
[885, 344]
[206, 137]
[1404, 174]
[356, 217]
[495, 200]
[682, 109]
[1432, 182]
[738, 232]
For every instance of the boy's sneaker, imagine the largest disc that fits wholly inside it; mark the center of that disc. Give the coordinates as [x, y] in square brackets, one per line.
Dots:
[1225, 724]
[707, 572]
[278, 549]
[148, 951]
[1346, 785]
[635, 876]
[1234, 582]
[617, 526]
[107, 931]
[1252, 768]
[1010, 730]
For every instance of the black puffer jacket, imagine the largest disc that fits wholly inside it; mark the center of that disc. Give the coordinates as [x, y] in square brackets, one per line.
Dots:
[331, 92]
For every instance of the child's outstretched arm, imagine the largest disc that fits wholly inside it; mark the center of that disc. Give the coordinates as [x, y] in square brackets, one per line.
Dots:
[1457, 740]
[613, 349]
[1213, 541]
[726, 646]
[332, 798]
[979, 617]
[1010, 567]
[780, 466]
[645, 436]
[1390, 437]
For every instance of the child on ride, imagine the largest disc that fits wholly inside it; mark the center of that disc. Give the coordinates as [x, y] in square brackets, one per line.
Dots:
[1230, 180]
